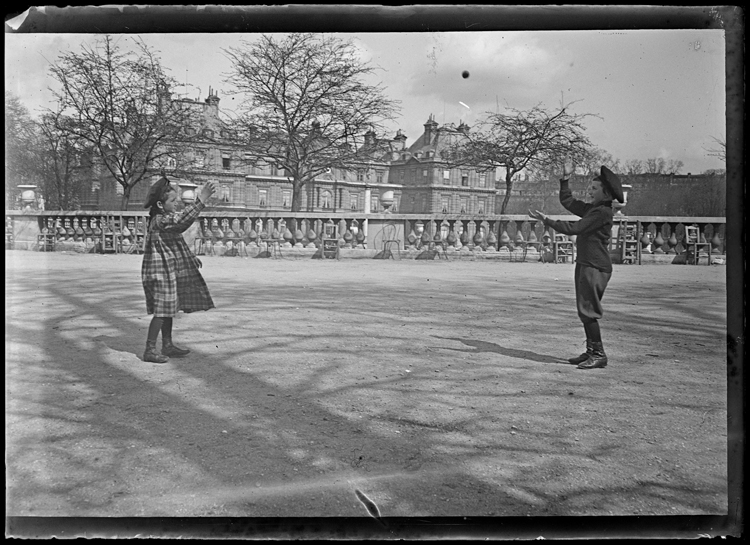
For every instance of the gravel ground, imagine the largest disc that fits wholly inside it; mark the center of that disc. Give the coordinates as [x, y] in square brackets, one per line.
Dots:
[324, 388]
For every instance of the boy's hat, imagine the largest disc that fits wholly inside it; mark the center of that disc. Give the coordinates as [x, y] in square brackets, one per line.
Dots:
[610, 180]
[156, 192]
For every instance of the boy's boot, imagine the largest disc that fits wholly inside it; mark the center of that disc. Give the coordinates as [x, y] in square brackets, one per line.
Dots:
[152, 355]
[597, 360]
[168, 349]
[583, 357]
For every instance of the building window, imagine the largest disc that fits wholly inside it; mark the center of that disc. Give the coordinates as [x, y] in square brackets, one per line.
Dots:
[445, 203]
[226, 161]
[379, 177]
[446, 175]
[325, 199]
[482, 179]
[360, 176]
[171, 163]
[424, 174]
[412, 175]
[224, 193]
[482, 205]
[464, 205]
[465, 179]
[263, 197]
[200, 160]
[353, 202]
[286, 198]
[395, 204]
[401, 175]
[374, 200]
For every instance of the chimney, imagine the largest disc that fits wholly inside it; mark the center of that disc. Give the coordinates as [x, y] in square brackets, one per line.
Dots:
[400, 140]
[429, 128]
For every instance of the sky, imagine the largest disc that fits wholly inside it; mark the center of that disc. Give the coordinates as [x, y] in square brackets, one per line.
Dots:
[656, 93]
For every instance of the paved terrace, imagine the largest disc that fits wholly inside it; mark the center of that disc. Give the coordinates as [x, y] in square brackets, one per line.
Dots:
[434, 388]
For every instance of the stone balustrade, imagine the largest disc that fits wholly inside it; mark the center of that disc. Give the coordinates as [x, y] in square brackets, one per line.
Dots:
[357, 234]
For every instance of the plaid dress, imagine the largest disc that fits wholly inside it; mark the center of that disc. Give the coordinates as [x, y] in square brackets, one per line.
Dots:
[169, 272]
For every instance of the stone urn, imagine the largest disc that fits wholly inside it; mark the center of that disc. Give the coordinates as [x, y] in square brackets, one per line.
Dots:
[386, 199]
[188, 192]
[28, 196]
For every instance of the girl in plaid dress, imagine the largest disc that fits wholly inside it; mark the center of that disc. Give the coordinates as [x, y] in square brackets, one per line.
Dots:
[170, 275]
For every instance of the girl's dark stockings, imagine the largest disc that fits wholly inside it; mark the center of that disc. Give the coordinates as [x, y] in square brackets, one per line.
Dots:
[160, 324]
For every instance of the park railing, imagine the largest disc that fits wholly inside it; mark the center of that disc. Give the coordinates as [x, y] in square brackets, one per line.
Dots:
[355, 234]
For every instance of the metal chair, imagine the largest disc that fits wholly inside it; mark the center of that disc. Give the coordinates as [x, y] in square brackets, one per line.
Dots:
[45, 242]
[390, 234]
[563, 249]
[629, 242]
[694, 246]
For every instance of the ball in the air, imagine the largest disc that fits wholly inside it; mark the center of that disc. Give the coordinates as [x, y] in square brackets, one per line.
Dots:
[465, 74]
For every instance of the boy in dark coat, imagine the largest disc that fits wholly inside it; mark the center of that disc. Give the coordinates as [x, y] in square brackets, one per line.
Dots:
[170, 275]
[593, 264]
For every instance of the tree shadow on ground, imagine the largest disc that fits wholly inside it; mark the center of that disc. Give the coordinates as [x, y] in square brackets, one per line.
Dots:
[282, 426]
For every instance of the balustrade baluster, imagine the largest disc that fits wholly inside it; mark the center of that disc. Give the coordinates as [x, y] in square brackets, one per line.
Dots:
[716, 243]
[491, 239]
[478, 237]
[505, 237]
[672, 240]
[452, 238]
[658, 247]
[464, 238]
[348, 235]
[646, 239]
[299, 235]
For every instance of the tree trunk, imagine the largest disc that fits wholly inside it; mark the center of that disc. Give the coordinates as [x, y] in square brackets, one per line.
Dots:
[297, 195]
[125, 197]
[508, 189]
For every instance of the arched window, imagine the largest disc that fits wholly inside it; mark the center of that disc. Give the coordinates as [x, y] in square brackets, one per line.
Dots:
[325, 199]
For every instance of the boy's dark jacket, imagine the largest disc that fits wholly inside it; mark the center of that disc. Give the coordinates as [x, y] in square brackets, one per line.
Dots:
[593, 230]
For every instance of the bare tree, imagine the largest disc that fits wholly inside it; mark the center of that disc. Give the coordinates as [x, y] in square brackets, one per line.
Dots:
[655, 165]
[19, 144]
[532, 139]
[719, 150]
[307, 106]
[121, 104]
[674, 166]
[61, 162]
[634, 167]
[593, 160]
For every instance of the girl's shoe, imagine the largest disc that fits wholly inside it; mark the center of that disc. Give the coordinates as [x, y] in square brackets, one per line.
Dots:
[168, 349]
[152, 355]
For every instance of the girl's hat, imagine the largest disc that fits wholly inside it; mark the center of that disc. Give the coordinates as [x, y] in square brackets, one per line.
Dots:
[156, 192]
[610, 180]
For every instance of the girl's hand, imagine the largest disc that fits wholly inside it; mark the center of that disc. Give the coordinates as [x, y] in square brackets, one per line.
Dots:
[206, 192]
[536, 214]
[568, 169]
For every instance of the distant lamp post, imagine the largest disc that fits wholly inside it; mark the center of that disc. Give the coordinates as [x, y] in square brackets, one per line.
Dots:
[620, 205]
[386, 199]
[188, 192]
[28, 197]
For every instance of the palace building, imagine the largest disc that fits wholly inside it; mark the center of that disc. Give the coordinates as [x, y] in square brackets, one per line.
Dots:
[419, 180]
